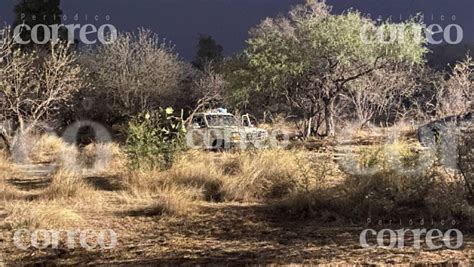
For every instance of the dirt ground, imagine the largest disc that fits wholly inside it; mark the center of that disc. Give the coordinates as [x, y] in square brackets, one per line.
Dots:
[219, 234]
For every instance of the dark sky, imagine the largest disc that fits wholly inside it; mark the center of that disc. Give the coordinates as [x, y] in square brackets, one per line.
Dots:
[228, 21]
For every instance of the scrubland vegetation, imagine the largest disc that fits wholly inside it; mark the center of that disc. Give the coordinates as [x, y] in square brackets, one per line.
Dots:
[141, 174]
[291, 184]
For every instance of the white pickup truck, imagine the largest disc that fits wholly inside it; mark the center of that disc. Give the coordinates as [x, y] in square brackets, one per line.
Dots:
[220, 130]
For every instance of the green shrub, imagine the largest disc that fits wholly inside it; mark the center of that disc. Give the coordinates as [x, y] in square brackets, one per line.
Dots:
[154, 137]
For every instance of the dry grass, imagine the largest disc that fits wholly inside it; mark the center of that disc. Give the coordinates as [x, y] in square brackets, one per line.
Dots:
[243, 176]
[396, 179]
[7, 170]
[392, 157]
[68, 184]
[48, 209]
[104, 158]
[142, 182]
[200, 176]
[47, 148]
[68, 157]
[40, 215]
[8, 192]
[198, 170]
[168, 196]
[191, 170]
[304, 182]
[299, 179]
[50, 148]
[269, 174]
[173, 201]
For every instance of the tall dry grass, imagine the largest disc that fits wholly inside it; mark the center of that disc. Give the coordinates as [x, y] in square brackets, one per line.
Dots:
[301, 182]
[243, 176]
[268, 174]
[69, 185]
[104, 158]
[198, 170]
[159, 195]
[40, 215]
[173, 201]
[386, 181]
[100, 158]
[52, 149]
[47, 148]
[142, 182]
[8, 170]
[214, 177]
[46, 208]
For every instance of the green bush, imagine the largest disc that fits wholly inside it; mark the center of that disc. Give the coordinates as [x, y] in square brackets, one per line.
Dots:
[154, 137]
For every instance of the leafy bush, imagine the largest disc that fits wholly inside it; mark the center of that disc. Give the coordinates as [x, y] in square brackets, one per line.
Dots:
[154, 137]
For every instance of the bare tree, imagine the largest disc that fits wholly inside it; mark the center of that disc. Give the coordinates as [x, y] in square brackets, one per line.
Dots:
[455, 96]
[209, 89]
[33, 87]
[381, 92]
[138, 71]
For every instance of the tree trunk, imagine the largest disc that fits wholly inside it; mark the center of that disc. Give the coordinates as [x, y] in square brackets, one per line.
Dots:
[329, 117]
[6, 140]
[309, 128]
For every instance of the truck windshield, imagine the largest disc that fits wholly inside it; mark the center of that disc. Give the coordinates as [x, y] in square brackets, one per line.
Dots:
[221, 120]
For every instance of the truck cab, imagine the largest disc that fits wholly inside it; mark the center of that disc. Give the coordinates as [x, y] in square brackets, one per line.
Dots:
[220, 130]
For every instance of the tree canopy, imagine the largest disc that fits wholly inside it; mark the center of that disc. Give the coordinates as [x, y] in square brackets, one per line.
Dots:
[309, 57]
[208, 51]
[34, 12]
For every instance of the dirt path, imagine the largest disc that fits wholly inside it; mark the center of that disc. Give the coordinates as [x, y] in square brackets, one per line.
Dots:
[31, 177]
[232, 233]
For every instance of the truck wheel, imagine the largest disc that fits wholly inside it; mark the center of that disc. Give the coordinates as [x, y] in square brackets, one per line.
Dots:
[218, 145]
